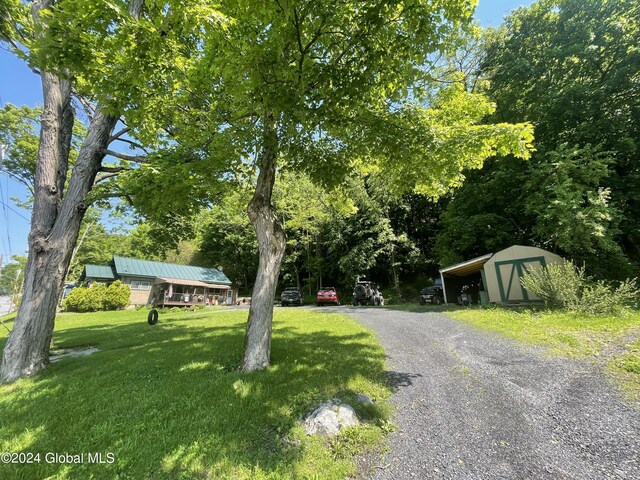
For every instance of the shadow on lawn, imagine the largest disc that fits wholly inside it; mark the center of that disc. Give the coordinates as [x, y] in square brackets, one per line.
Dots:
[168, 400]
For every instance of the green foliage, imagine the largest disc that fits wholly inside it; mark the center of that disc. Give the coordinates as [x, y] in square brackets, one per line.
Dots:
[570, 67]
[12, 275]
[215, 75]
[558, 284]
[116, 297]
[14, 22]
[12, 278]
[347, 89]
[85, 299]
[631, 361]
[98, 297]
[97, 246]
[573, 210]
[565, 286]
[227, 239]
[19, 130]
[600, 298]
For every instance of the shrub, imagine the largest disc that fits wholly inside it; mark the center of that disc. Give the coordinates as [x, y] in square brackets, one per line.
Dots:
[558, 284]
[116, 297]
[565, 286]
[83, 299]
[97, 297]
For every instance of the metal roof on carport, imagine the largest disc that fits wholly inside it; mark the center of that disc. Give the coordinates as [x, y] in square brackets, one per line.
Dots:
[468, 267]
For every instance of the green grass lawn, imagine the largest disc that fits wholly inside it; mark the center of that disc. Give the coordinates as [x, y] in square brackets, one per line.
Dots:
[609, 339]
[168, 402]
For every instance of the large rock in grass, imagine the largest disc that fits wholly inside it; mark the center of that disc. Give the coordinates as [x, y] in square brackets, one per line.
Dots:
[329, 418]
[364, 399]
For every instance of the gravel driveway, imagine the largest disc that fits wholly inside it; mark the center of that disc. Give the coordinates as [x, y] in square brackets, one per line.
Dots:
[472, 405]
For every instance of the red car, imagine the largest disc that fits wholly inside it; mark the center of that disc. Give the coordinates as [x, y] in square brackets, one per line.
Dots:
[327, 295]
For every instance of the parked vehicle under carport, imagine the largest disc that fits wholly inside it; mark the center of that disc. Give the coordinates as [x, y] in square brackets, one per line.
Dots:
[433, 295]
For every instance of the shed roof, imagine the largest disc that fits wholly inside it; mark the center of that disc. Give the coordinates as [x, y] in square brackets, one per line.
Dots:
[104, 272]
[145, 268]
[468, 267]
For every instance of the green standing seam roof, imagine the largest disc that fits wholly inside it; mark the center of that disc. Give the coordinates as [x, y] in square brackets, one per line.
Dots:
[99, 271]
[144, 268]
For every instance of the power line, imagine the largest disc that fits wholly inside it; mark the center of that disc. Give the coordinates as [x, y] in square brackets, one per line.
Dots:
[6, 217]
[4, 205]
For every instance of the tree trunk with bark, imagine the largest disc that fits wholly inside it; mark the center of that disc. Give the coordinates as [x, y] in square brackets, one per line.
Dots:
[271, 246]
[56, 218]
[54, 232]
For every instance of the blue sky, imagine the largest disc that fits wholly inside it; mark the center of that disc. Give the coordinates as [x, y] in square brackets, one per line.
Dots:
[18, 85]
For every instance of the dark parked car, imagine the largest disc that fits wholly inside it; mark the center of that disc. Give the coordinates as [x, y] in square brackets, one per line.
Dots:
[327, 295]
[367, 293]
[433, 295]
[291, 296]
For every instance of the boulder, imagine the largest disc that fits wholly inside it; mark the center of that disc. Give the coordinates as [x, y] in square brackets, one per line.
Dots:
[364, 399]
[329, 418]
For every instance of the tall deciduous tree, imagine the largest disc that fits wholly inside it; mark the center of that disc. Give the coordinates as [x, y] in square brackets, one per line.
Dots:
[325, 88]
[60, 200]
[321, 87]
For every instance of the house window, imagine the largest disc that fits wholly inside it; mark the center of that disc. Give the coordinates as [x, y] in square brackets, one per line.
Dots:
[138, 285]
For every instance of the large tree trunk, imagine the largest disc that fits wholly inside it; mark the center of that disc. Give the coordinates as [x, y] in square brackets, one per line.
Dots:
[271, 245]
[56, 218]
[55, 227]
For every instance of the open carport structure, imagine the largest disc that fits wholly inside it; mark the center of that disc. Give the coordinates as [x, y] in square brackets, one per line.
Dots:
[495, 277]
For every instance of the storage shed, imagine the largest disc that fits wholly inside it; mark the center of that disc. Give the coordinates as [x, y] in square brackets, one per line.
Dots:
[494, 277]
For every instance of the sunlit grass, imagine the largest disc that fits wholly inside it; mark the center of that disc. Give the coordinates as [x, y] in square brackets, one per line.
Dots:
[168, 400]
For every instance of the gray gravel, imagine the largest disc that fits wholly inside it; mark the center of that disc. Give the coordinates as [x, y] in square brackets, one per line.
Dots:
[472, 405]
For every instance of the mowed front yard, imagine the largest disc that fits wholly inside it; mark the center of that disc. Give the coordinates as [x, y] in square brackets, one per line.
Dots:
[167, 401]
[613, 341]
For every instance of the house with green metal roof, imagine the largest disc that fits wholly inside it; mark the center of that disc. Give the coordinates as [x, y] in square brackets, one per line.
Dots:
[164, 284]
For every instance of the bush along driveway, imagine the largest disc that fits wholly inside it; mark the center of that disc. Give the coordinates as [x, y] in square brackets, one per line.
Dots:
[473, 404]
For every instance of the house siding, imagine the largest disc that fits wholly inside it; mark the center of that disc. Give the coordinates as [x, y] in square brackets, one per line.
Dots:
[139, 297]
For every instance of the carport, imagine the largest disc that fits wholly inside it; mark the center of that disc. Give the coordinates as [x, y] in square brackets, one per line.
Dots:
[470, 272]
[495, 277]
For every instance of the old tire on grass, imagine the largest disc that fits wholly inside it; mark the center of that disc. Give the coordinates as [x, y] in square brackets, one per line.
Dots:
[152, 318]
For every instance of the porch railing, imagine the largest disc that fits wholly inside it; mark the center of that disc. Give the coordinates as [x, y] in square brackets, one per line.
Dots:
[185, 298]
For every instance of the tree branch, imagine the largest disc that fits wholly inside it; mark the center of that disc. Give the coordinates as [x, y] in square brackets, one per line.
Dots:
[135, 8]
[107, 176]
[117, 135]
[130, 142]
[129, 158]
[89, 109]
[113, 169]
